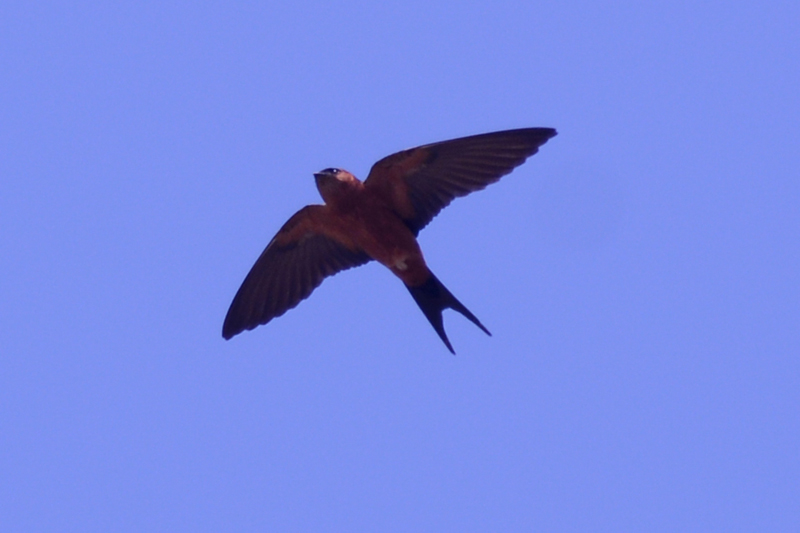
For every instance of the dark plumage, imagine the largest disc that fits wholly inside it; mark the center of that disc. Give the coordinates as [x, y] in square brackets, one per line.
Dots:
[378, 219]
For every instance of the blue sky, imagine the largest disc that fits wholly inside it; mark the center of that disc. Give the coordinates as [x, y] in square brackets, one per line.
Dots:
[639, 274]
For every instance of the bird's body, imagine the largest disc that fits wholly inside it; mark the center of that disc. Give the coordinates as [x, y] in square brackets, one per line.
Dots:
[377, 219]
[361, 217]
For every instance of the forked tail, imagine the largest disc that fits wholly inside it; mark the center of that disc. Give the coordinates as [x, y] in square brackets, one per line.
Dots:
[433, 298]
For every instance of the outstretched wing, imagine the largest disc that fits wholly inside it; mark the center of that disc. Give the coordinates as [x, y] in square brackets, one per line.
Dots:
[294, 263]
[420, 182]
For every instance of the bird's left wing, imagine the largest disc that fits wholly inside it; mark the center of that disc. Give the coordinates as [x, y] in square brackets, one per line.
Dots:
[294, 263]
[420, 182]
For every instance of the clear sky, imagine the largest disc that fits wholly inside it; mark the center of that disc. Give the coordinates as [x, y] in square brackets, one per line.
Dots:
[640, 275]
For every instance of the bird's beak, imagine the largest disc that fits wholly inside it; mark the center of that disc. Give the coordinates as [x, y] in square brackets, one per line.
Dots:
[318, 175]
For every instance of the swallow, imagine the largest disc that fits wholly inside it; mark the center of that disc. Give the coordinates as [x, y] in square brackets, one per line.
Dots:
[378, 219]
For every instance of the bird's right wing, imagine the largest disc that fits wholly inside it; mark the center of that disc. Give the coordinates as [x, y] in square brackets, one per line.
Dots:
[294, 263]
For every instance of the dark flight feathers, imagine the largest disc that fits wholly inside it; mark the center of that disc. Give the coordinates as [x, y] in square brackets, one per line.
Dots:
[433, 298]
[437, 173]
[283, 276]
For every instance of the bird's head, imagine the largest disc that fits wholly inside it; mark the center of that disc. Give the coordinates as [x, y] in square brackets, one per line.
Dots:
[334, 184]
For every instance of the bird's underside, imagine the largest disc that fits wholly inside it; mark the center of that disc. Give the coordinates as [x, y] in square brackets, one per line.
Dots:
[377, 219]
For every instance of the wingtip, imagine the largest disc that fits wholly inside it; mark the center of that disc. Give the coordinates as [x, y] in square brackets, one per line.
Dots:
[547, 133]
[537, 136]
[229, 331]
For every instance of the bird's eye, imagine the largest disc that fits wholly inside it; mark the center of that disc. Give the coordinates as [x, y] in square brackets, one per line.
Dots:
[331, 171]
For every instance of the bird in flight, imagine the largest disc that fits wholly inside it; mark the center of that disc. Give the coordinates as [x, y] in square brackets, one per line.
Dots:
[378, 219]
